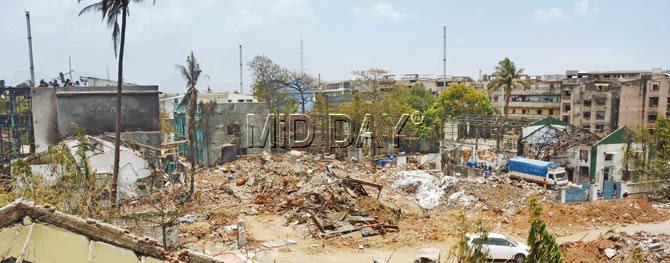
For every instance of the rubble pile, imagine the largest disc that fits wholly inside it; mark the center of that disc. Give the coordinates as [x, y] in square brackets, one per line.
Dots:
[621, 247]
[497, 193]
[603, 213]
[428, 189]
[313, 190]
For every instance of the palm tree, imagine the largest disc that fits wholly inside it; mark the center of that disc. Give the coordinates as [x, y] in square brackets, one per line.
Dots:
[110, 11]
[191, 73]
[507, 77]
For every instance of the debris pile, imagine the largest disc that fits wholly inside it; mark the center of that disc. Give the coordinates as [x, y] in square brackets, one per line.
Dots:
[497, 193]
[603, 213]
[313, 190]
[621, 247]
[427, 188]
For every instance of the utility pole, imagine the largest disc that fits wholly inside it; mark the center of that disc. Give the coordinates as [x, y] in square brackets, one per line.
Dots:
[30, 49]
[241, 68]
[69, 66]
[444, 57]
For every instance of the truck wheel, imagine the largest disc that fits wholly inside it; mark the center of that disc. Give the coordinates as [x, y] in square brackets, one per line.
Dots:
[519, 258]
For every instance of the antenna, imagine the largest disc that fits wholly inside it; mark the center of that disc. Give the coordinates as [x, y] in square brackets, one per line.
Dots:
[241, 68]
[444, 57]
[30, 48]
[302, 65]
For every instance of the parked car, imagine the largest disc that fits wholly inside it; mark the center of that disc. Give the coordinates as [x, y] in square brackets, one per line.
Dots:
[497, 246]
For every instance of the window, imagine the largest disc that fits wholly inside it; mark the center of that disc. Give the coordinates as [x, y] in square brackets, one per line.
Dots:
[587, 115]
[600, 128]
[653, 101]
[655, 86]
[567, 93]
[600, 115]
[584, 155]
[600, 101]
[240, 100]
[607, 171]
[566, 119]
[551, 112]
[566, 107]
[539, 112]
[587, 103]
[652, 117]
[524, 111]
[233, 129]
[609, 156]
[602, 88]
[586, 127]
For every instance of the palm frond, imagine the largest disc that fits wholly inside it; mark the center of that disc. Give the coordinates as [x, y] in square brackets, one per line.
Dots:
[90, 8]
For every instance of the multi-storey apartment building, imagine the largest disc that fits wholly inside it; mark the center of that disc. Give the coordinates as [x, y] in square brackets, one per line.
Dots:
[541, 99]
[602, 102]
[643, 100]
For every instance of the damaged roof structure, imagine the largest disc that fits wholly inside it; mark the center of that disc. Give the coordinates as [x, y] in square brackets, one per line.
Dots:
[35, 233]
[99, 153]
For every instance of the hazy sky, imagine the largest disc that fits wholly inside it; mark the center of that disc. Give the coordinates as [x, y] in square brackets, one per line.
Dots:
[544, 37]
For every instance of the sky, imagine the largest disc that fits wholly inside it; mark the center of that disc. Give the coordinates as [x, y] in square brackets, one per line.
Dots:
[339, 36]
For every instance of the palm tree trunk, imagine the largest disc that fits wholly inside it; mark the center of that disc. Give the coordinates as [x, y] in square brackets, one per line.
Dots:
[119, 92]
[193, 107]
[508, 95]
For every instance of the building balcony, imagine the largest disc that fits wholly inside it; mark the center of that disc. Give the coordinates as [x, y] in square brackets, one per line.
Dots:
[538, 105]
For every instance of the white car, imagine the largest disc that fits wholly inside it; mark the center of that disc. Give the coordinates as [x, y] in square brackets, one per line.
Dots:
[498, 246]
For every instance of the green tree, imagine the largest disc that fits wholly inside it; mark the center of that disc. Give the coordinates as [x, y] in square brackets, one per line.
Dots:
[661, 139]
[266, 82]
[459, 99]
[191, 73]
[463, 251]
[543, 245]
[371, 83]
[506, 78]
[420, 98]
[110, 11]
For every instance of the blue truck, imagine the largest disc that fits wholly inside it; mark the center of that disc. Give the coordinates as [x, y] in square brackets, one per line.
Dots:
[541, 172]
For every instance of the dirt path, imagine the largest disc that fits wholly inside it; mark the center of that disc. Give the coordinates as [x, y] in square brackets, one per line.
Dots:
[589, 235]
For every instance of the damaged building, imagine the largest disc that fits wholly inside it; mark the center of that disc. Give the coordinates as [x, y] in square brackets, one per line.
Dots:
[221, 127]
[93, 109]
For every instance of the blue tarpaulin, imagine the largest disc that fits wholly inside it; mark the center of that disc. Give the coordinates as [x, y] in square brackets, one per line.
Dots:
[530, 166]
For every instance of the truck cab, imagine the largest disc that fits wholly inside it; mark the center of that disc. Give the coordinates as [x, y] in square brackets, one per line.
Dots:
[556, 178]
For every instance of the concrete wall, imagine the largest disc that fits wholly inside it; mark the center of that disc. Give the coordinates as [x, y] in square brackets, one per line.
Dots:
[225, 115]
[631, 114]
[616, 163]
[94, 109]
[45, 118]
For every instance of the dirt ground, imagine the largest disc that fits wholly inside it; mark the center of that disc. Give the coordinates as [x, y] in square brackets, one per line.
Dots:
[278, 197]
